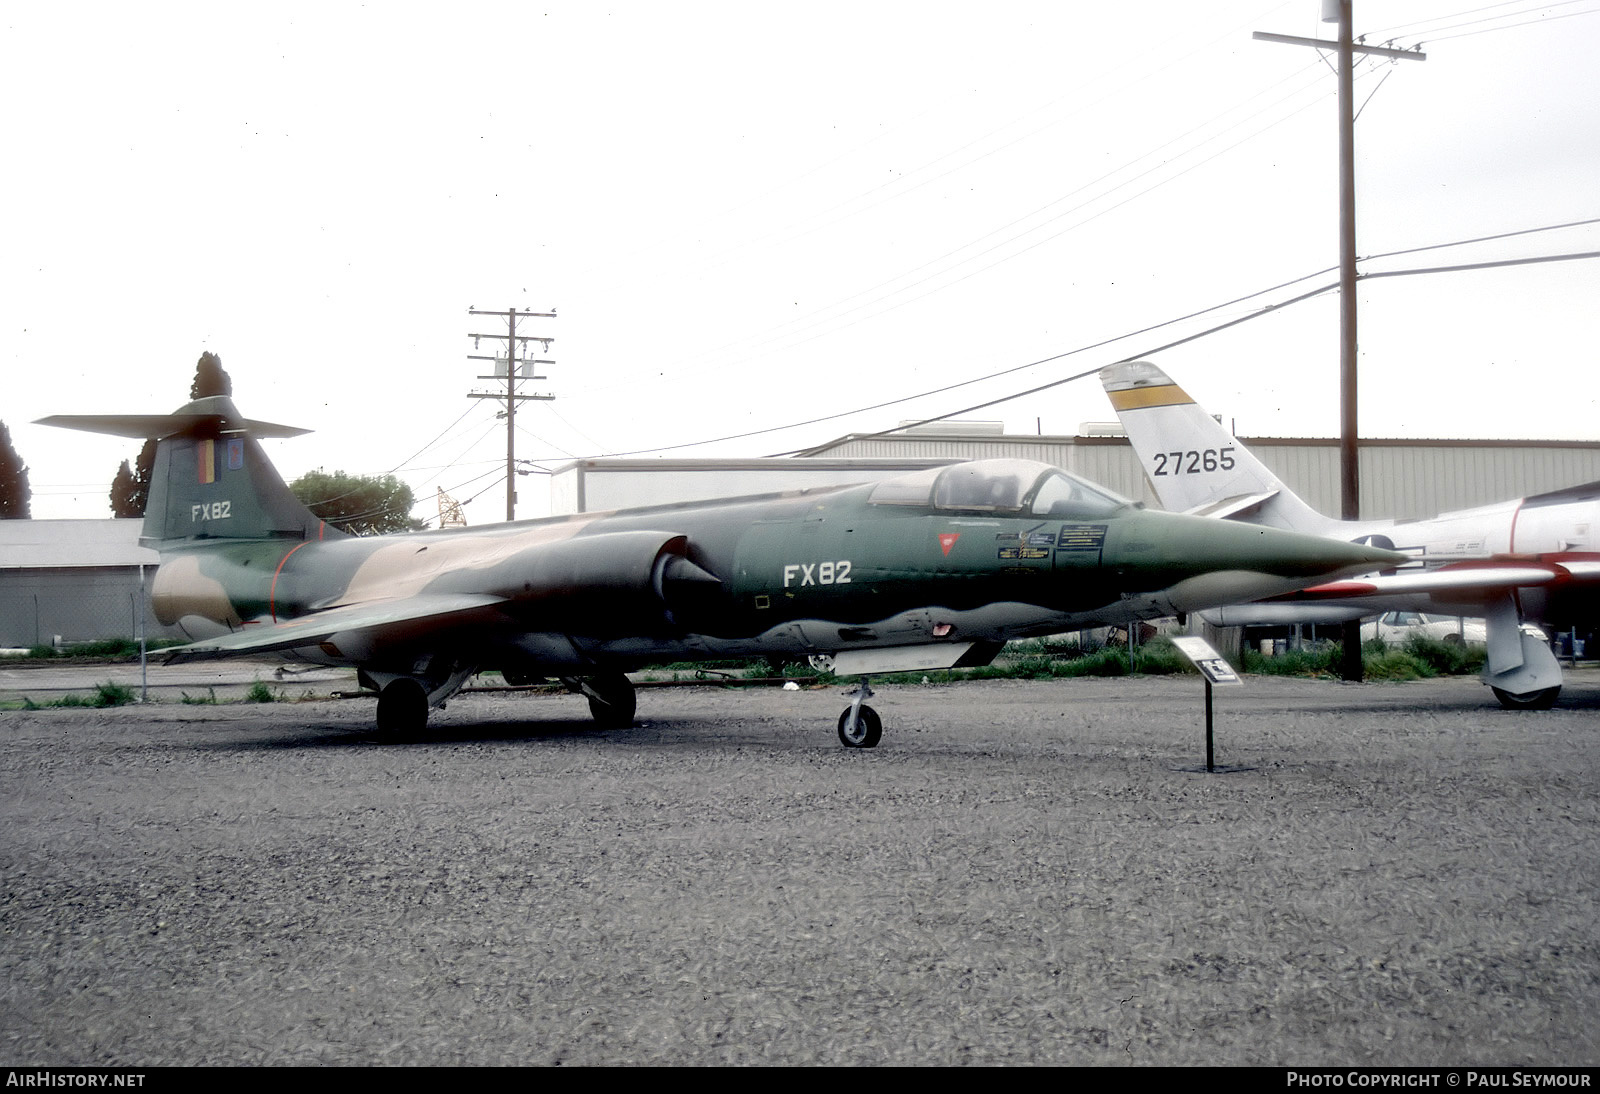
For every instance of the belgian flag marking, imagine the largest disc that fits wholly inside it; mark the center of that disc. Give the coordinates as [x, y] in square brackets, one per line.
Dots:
[206, 454]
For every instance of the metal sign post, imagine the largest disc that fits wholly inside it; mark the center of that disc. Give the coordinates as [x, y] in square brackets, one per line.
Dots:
[1215, 669]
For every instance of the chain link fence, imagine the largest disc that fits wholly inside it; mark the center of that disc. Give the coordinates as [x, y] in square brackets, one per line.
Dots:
[45, 610]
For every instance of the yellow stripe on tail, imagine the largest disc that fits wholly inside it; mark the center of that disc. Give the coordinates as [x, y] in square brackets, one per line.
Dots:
[1142, 398]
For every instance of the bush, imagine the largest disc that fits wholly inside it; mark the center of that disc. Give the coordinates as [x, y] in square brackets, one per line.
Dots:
[1106, 661]
[1396, 665]
[105, 647]
[1446, 658]
[112, 695]
[1420, 658]
[1311, 661]
[1159, 657]
[260, 693]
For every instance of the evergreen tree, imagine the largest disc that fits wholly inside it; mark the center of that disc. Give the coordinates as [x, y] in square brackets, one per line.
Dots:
[14, 489]
[122, 488]
[210, 378]
[130, 490]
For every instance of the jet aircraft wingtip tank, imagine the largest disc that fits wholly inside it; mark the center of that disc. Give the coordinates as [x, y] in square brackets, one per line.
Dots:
[933, 569]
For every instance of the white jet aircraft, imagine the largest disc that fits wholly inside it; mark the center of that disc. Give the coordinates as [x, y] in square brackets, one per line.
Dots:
[1533, 558]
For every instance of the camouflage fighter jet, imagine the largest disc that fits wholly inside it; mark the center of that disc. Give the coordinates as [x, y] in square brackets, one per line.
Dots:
[934, 569]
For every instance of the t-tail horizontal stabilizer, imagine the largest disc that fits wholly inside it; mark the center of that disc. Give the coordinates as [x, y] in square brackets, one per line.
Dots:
[211, 480]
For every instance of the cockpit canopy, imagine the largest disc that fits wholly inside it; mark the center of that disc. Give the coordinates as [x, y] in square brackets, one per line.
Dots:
[1008, 487]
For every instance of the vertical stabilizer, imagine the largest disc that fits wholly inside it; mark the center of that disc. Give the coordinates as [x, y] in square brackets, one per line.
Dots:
[1193, 464]
[211, 479]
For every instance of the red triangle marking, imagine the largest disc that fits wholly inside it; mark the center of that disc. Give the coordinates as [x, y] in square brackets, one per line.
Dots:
[947, 540]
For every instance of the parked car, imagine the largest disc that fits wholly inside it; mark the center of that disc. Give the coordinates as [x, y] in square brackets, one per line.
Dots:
[1395, 627]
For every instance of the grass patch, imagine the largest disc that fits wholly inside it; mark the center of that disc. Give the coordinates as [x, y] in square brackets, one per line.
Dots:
[104, 695]
[1447, 658]
[104, 649]
[1419, 658]
[260, 693]
[1320, 661]
[98, 650]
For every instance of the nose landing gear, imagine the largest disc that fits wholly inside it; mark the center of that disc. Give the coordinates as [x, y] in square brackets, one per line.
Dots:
[859, 725]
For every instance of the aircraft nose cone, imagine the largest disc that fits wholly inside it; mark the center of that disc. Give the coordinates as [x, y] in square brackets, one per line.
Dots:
[1201, 544]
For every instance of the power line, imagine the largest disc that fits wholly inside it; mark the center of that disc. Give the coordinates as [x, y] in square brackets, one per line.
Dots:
[1513, 26]
[1483, 239]
[1572, 257]
[470, 408]
[820, 317]
[1151, 351]
[1093, 346]
[1097, 345]
[1436, 35]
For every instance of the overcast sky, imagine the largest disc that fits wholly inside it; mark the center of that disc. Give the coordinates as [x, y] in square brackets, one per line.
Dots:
[754, 215]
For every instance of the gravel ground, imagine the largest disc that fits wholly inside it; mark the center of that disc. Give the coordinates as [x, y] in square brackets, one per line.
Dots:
[1394, 874]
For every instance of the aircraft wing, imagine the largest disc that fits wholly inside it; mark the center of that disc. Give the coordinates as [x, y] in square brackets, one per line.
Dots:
[392, 619]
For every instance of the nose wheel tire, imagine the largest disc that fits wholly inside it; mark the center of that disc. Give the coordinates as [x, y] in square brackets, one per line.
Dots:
[866, 730]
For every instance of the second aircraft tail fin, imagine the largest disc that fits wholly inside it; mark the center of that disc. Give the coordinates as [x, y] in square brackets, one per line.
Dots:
[1195, 465]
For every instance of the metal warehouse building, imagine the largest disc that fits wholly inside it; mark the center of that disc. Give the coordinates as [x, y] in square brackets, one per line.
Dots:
[72, 581]
[1399, 478]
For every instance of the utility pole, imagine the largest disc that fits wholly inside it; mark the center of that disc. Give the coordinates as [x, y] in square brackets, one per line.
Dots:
[1340, 11]
[510, 361]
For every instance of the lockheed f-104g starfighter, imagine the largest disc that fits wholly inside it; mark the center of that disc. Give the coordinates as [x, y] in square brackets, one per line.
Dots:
[934, 569]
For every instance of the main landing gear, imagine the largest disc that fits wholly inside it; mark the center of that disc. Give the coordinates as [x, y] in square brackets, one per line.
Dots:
[611, 697]
[402, 708]
[859, 725]
[1521, 669]
[404, 700]
[1528, 700]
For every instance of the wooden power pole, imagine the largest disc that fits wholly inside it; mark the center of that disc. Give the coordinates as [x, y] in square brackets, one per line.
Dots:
[515, 360]
[1349, 457]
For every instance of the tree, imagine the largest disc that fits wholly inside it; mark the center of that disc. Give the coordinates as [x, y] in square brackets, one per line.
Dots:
[130, 490]
[14, 489]
[365, 505]
[210, 378]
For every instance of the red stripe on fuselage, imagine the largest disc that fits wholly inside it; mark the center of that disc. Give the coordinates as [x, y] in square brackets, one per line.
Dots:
[272, 596]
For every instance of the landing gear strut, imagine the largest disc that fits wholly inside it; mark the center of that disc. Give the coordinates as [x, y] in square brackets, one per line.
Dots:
[859, 725]
[404, 700]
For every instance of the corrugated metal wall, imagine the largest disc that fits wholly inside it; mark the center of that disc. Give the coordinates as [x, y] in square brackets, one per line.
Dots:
[79, 604]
